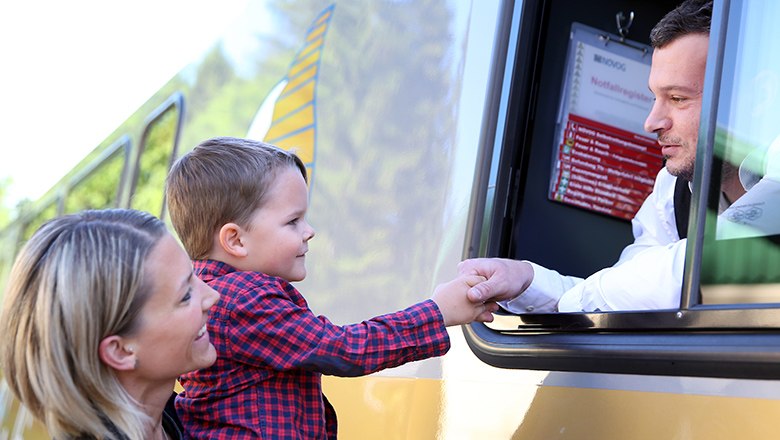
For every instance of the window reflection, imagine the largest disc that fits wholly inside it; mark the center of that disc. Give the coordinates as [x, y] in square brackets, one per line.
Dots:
[43, 215]
[156, 155]
[99, 189]
[741, 258]
[756, 213]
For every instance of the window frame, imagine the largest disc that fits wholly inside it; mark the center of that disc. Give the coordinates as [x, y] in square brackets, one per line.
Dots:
[736, 341]
[122, 146]
[174, 102]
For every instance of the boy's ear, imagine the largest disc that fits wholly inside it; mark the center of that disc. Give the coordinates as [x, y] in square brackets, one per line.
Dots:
[230, 240]
[117, 354]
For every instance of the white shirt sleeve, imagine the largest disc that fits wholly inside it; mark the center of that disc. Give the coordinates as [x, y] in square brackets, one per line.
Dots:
[543, 294]
[652, 279]
[647, 275]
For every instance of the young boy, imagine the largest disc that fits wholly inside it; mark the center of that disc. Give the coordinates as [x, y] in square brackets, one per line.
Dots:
[238, 207]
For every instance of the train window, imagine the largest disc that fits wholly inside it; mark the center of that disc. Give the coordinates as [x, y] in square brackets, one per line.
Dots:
[14, 236]
[741, 252]
[94, 184]
[727, 323]
[155, 155]
[9, 240]
[49, 211]
[98, 186]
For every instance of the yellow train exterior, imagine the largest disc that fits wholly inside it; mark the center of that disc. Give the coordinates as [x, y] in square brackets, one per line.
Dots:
[418, 122]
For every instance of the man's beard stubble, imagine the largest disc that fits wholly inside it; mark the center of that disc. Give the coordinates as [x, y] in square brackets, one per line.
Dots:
[728, 170]
[684, 172]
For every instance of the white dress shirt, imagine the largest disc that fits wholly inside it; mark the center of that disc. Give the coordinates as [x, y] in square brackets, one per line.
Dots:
[648, 274]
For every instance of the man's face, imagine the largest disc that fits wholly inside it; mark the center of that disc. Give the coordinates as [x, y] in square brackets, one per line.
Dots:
[676, 80]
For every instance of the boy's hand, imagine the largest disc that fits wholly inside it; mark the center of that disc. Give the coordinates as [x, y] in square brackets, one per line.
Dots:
[455, 306]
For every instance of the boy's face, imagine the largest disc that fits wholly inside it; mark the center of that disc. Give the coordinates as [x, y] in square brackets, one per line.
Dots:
[278, 235]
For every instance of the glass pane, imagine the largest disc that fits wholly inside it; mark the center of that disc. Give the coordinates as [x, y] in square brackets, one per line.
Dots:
[99, 189]
[156, 153]
[9, 244]
[47, 213]
[741, 256]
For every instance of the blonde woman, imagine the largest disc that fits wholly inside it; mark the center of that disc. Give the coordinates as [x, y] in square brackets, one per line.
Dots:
[101, 314]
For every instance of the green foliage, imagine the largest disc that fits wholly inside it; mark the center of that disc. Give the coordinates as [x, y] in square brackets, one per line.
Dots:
[155, 160]
[5, 210]
[223, 103]
[99, 189]
[47, 213]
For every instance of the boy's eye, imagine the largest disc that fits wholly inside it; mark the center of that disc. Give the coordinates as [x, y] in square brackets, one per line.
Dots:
[293, 221]
[187, 296]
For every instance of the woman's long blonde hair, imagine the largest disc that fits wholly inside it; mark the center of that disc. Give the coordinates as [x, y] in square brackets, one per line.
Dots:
[79, 279]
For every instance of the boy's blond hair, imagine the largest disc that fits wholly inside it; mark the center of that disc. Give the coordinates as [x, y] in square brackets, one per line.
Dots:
[222, 180]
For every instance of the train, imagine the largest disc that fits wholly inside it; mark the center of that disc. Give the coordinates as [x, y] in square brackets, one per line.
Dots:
[435, 131]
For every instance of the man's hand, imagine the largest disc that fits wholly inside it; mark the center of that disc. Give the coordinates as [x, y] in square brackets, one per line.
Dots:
[506, 279]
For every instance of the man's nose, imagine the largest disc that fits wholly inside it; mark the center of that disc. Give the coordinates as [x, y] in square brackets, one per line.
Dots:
[657, 121]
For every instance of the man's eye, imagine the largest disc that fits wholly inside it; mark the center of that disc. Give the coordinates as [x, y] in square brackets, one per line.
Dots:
[678, 99]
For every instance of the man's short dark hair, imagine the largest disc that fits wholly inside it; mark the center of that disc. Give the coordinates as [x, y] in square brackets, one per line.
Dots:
[690, 17]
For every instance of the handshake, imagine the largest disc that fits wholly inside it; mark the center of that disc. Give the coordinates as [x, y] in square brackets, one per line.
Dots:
[455, 305]
[481, 282]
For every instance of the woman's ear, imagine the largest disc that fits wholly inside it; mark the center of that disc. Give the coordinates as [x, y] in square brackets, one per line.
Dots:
[230, 240]
[117, 354]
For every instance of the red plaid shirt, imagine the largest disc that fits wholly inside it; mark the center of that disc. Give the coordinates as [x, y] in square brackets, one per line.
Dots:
[272, 351]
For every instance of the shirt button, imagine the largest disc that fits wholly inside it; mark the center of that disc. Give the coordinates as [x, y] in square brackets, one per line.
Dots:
[529, 309]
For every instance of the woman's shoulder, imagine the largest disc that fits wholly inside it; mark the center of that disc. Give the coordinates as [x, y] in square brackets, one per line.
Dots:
[170, 420]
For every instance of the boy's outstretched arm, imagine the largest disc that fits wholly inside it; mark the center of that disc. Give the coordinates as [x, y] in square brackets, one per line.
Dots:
[456, 308]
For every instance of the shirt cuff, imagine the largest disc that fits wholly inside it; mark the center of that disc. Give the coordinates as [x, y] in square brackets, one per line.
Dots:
[542, 294]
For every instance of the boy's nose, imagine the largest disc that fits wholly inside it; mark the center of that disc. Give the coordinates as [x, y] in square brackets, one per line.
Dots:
[309, 232]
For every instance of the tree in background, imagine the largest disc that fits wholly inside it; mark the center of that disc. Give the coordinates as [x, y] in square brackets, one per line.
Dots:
[5, 209]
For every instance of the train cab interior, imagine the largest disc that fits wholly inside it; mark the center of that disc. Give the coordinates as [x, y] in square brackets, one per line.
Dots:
[570, 239]
[730, 295]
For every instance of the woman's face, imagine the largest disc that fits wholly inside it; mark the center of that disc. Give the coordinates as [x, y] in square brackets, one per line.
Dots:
[171, 336]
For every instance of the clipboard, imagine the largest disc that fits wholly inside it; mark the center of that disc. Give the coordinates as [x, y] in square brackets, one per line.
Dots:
[603, 160]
